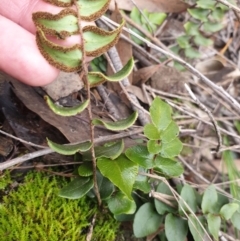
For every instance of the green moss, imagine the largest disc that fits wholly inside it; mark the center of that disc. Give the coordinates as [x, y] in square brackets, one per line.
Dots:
[35, 212]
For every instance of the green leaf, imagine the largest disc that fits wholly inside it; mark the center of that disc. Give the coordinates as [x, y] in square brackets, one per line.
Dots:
[191, 28]
[118, 125]
[92, 10]
[168, 167]
[202, 41]
[161, 207]
[85, 170]
[62, 25]
[141, 182]
[228, 210]
[184, 41]
[154, 146]
[209, 200]
[195, 228]
[212, 27]
[106, 188]
[192, 53]
[214, 223]
[222, 200]
[76, 188]
[69, 149]
[209, 4]
[135, 15]
[235, 220]
[146, 221]
[99, 41]
[66, 111]
[217, 14]
[120, 204]
[198, 13]
[170, 133]
[171, 149]
[157, 18]
[121, 172]
[140, 155]
[161, 114]
[109, 150]
[189, 196]
[96, 78]
[67, 59]
[176, 228]
[151, 132]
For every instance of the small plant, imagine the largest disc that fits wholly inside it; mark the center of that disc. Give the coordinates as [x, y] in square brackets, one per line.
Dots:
[35, 212]
[207, 18]
[148, 22]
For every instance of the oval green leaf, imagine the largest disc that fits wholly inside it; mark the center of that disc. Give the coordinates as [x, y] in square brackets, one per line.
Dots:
[121, 172]
[111, 151]
[214, 223]
[120, 204]
[92, 10]
[99, 41]
[76, 188]
[175, 228]
[66, 111]
[67, 59]
[69, 149]
[154, 146]
[140, 155]
[146, 221]
[235, 220]
[61, 25]
[228, 210]
[195, 227]
[85, 170]
[96, 78]
[170, 133]
[202, 41]
[141, 182]
[161, 207]
[168, 167]
[198, 13]
[209, 200]
[118, 125]
[151, 132]
[212, 27]
[188, 196]
[161, 114]
[192, 28]
[171, 149]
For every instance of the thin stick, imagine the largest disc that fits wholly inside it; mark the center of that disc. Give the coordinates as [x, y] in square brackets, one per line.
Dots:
[114, 56]
[89, 108]
[219, 90]
[29, 156]
[204, 108]
[21, 140]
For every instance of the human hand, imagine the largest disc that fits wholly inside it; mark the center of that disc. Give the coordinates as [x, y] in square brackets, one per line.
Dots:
[19, 55]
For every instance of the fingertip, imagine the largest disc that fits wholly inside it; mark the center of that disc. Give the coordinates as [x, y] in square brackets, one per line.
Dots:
[20, 56]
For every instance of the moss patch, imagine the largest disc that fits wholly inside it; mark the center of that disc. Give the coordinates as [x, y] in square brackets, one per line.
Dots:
[35, 212]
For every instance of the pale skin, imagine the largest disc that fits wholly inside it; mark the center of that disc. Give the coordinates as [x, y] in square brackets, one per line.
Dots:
[19, 55]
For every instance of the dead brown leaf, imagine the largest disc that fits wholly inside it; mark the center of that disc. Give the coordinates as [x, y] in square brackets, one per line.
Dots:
[74, 128]
[169, 79]
[170, 6]
[143, 74]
